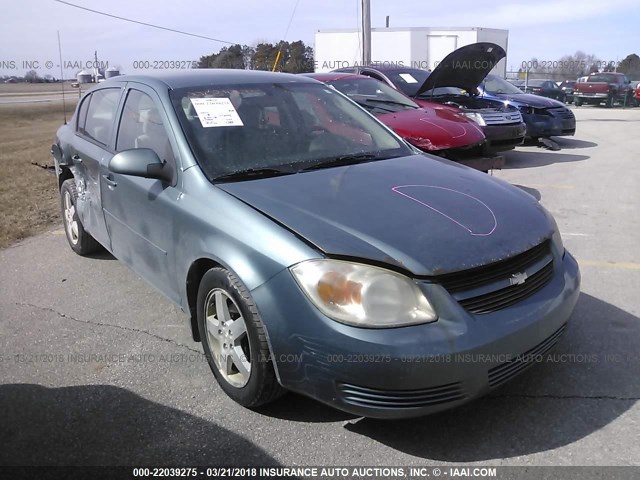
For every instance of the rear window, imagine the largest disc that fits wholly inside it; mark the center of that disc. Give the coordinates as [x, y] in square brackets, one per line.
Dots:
[603, 77]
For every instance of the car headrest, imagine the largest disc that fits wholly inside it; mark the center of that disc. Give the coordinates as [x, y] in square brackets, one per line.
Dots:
[151, 116]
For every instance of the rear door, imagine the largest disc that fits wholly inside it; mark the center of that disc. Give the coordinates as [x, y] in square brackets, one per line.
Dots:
[92, 146]
[139, 212]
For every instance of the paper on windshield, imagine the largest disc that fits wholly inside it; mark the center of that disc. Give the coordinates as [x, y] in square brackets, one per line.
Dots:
[216, 112]
[407, 77]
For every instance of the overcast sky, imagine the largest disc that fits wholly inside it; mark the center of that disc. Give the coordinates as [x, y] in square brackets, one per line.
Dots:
[546, 29]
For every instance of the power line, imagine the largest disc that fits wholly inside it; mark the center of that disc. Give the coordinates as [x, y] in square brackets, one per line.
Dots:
[286, 32]
[146, 24]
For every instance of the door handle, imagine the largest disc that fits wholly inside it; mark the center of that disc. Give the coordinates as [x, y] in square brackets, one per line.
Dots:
[76, 158]
[109, 181]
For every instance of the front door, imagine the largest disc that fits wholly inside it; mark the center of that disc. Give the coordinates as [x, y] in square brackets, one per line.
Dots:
[139, 212]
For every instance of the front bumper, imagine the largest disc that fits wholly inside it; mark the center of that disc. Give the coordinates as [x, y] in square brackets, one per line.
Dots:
[548, 125]
[417, 370]
[591, 96]
[503, 137]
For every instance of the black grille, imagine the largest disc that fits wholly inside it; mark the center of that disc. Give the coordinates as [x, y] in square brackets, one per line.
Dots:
[375, 398]
[561, 112]
[502, 373]
[476, 277]
[492, 301]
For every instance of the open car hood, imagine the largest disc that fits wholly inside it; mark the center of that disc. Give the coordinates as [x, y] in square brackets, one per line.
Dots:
[464, 68]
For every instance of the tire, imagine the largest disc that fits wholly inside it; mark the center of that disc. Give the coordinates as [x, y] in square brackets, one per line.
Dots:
[244, 369]
[609, 102]
[79, 239]
[577, 101]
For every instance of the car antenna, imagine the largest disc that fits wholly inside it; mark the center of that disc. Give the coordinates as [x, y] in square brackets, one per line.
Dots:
[64, 109]
[434, 86]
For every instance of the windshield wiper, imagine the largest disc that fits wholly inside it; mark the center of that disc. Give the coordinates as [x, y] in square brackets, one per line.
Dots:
[343, 160]
[254, 173]
[389, 102]
[368, 106]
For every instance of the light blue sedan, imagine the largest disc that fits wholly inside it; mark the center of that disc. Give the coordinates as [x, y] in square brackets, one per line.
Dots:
[313, 249]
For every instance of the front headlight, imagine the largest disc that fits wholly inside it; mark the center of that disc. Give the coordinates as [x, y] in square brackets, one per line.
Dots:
[476, 117]
[363, 295]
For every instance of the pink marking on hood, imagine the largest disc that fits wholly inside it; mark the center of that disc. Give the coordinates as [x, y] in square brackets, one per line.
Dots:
[397, 188]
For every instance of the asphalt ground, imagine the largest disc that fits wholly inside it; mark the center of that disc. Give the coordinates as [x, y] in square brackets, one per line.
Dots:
[96, 368]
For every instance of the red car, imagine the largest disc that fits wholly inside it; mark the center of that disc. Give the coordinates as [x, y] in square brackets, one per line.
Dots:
[637, 94]
[433, 128]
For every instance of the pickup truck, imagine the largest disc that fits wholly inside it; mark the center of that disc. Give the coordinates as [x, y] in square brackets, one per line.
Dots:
[606, 87]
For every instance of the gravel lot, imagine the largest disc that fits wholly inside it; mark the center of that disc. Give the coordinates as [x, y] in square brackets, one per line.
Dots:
[146, 396]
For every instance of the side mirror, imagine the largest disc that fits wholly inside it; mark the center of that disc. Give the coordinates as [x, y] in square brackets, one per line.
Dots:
[140, 162]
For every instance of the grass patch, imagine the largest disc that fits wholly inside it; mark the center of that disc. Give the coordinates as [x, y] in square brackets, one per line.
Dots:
[28, 194]
[35, 88]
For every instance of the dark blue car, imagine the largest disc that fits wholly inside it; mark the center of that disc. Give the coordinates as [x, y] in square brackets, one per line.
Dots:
[544, 117]
[313, 249]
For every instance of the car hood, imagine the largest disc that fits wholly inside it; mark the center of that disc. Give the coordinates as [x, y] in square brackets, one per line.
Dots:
[434, 129]
[465, 67]
[528, 100]
[420, 213]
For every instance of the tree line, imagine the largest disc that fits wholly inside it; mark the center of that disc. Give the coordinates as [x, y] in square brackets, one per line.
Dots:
[295, 57]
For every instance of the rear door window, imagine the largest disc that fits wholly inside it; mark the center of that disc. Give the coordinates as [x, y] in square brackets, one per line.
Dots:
[101, 114]
[82, 113]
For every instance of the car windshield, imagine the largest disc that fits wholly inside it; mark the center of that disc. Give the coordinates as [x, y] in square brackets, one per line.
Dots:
[408, 80]
[278, 128]
[496, 85]
[443, 91]
[536, 83]
[373, 95]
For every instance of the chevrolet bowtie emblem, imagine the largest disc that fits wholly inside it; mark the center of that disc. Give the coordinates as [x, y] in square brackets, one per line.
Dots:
[518, 278]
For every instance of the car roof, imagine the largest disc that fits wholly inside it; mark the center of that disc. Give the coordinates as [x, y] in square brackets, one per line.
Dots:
[208, 76]
[331, 76]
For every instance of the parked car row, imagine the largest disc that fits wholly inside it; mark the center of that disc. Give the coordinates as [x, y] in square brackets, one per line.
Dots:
[433, 128]
[505, 113]
[313, 249]
[595, 89]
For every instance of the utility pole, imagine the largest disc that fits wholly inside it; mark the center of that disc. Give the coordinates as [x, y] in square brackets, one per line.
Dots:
[366, 32]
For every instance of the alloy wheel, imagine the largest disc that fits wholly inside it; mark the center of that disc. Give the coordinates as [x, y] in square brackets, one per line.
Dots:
[70, 223]
[227, 337]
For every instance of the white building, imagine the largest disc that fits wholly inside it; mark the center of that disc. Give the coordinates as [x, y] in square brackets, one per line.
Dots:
[418, 47]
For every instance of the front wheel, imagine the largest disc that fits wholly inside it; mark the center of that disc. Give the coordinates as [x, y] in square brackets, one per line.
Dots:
[79, 239]
[234, 340]
[609, 102]
[577, 101]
